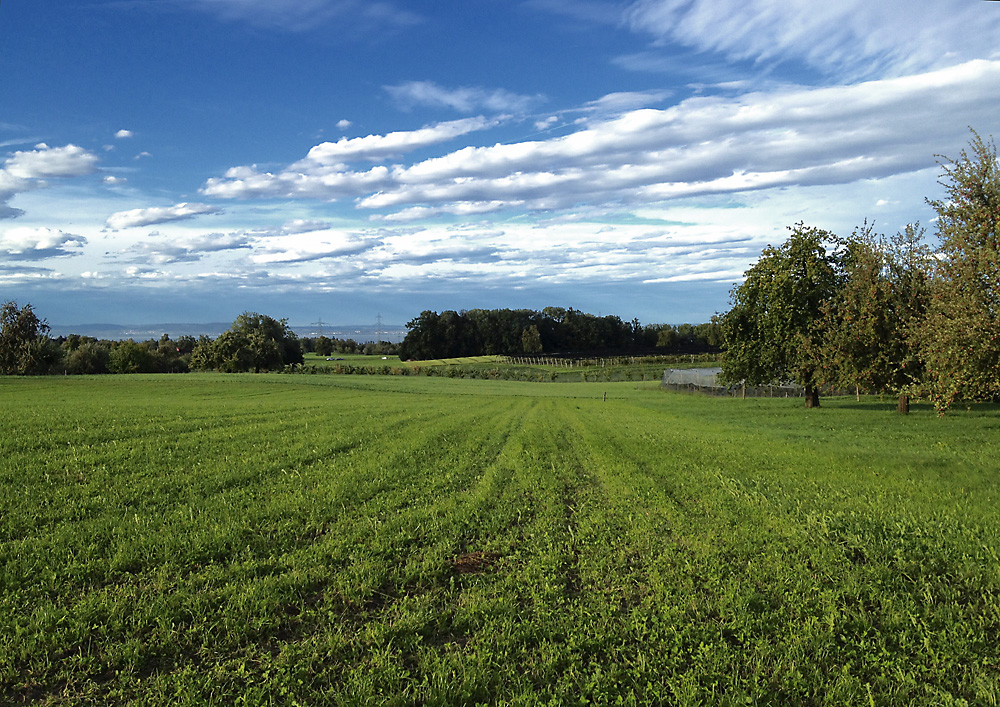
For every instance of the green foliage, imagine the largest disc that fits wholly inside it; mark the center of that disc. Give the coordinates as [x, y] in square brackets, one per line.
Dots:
[771, 331]
[480, 332]
[25, 348]
[88, 358]
[131, 357]
[871, 324]
[961, 339]
[531, 340]
[374, 540]
[255, 342]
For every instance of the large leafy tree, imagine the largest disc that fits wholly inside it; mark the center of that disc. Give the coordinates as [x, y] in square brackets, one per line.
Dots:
[870, 325]
[25, 348]
[961, 337]
[255, 342]
[772, 331]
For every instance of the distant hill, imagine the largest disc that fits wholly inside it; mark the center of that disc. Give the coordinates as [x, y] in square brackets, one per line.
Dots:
[141, 332]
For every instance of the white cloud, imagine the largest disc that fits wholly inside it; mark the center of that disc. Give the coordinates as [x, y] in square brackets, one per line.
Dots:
[348, 16]
[379, 147]
[158, 251]
[159, 214]
[39, 243]
[322, 173]
[461, 208]
[24, 171]
[122, 134]
[847, 38]
[45, 161]
[623, 101]
[464, 99]
[300, 225]
[344, 124]
[111, 180]
[312, 246]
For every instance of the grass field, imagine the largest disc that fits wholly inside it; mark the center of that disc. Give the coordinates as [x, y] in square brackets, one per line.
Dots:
[212, 539]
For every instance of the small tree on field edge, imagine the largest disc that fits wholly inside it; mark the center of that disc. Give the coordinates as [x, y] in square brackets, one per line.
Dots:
[25, 348]
[960, 339]
[771, 332]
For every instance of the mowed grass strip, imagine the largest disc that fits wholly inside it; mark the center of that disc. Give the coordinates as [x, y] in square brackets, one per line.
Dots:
[276, 539]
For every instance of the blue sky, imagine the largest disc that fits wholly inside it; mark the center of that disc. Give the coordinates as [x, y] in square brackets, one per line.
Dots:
[186, 160]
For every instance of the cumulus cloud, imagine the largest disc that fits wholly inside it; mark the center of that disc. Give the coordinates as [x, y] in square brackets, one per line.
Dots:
[379, 147]
[26, 170]
[39, 243]
[122, 134]
[703, 145]
[158, 251]
[847, 38]
[159, 214]
[45, 161]
[344, 124]
[311, 246]
[464, 99]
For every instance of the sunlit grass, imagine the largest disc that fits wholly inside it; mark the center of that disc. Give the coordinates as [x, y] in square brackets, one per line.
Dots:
[211, 539]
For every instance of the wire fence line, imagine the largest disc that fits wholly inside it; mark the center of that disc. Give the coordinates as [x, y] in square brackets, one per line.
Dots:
[706, 382]
[570, 361]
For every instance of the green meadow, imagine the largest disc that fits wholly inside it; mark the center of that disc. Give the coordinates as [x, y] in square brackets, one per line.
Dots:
[404, 540]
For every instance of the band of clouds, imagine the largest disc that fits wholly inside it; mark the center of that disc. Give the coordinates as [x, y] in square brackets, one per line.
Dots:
[703, 145]
[849, 38]
[159, 214]
[39, 243]
[464, 99]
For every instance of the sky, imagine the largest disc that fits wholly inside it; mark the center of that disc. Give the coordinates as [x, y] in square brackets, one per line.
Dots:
[341, 160]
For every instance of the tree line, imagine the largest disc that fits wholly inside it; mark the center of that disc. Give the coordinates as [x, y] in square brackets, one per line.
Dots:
[327, 346]
[881, 314]
[553, 330]
[254, 343]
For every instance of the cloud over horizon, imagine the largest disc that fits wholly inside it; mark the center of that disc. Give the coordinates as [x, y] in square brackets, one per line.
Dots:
[39, 243]
[399, 156]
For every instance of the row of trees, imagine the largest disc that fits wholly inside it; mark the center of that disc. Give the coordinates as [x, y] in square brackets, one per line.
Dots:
[882, 314]
[327, 346]
[254, 343]
[482, 332]
[26, 349]
[257, 342]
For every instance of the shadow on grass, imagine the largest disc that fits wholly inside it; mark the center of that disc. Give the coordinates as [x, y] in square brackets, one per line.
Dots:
[888, 404]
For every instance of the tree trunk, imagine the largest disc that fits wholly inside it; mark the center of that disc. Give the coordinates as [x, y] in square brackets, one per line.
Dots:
[904, 404]
[812, 396]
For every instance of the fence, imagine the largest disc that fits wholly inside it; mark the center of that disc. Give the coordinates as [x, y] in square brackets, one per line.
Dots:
[706, 382]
